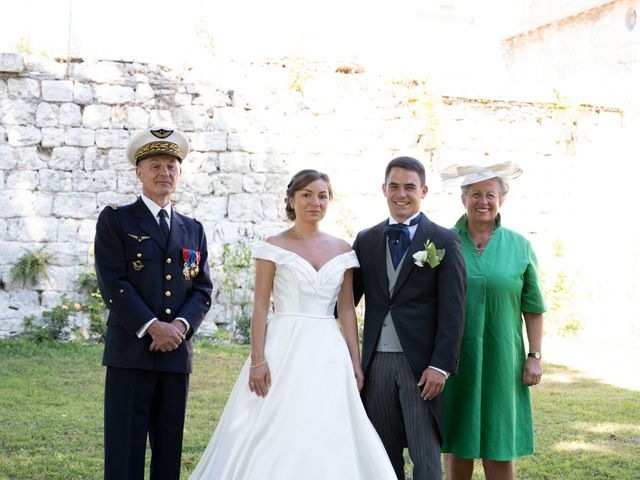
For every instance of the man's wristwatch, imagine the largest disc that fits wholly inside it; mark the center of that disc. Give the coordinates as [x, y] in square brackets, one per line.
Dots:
[537, 355]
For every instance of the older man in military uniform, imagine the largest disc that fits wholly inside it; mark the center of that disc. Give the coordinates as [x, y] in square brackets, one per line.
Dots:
[152, 269]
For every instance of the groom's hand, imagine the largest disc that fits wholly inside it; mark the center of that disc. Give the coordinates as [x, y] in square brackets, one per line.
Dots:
[432, 383]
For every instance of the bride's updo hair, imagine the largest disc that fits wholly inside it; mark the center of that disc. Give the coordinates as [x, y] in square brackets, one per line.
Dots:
[298, 182]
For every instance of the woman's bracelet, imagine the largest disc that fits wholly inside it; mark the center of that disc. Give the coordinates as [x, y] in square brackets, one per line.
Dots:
[258, 365]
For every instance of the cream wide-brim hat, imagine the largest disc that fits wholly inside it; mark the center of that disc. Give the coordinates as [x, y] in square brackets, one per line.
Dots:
[460, 175]
[157, 141]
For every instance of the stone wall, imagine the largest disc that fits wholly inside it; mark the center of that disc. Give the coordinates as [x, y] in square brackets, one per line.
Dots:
[588, 50]
[63, 133]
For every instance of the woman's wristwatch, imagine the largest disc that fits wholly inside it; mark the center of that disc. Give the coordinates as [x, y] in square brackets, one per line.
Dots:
[537, 355]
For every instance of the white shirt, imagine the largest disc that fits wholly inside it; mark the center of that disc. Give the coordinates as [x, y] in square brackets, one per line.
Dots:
[154, 208]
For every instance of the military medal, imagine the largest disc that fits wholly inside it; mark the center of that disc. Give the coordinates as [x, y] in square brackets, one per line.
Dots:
[137, 265]
[190, 267]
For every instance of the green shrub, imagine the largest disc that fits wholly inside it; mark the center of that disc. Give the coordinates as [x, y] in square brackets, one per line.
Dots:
[239, 282]
[55, 324]
[31, 267]
[93, 305]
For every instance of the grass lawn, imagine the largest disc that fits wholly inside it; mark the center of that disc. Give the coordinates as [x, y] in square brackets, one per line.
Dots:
[51, 416]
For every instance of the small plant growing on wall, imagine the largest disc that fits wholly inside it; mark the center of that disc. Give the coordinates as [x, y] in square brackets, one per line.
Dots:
[55, 324]
[31, 267]
[239, 282]
[93, 305]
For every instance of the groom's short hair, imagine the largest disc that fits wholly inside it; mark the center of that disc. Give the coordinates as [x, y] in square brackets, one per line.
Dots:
[408, 163]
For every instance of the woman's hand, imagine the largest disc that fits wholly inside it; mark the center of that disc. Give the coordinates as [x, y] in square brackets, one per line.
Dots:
[260, 379]
[357, 371]
[532, 372]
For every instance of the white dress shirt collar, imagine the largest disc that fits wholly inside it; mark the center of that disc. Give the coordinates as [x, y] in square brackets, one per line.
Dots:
[155, 208]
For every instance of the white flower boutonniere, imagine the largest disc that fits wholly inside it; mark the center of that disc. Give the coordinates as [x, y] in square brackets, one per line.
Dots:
[430, 255]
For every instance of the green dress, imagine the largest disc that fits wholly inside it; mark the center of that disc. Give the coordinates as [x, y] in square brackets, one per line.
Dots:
[487, 409]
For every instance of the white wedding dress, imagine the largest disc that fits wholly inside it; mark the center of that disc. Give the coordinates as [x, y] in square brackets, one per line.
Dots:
[311, 425]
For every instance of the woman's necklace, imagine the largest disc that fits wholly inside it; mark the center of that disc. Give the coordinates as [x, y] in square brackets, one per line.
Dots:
[481, 245]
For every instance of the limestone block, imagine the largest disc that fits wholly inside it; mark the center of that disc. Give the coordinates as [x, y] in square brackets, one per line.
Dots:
[197, 183]
[96, 181]
[18, 299]
[62, 278]
[19, 112]
[2, 136]
[23, 88]
[3, 229]
[209, 141]
[161, 118]
[3, 88]
[31, 158]
[11, 63]
[112, 138]
[57, 90]
[265, 228]
[68, 230]
[11, 251]
[103, 72]
[114, 94]
[79, 137]
[75, 205]
[224, 184]
[277, 183]
[23, 136]
[128, 182]
[117, 161]
[87, 229]
[236, 162]
[190, 118]
[66, 158]
[22, 180]
[267, 162]
[96, 116]
[254, 182]
[136, 118]
[47, 115]
[182, 99]
[55, 180]
[271, 207]
[8, 157]
[32, 229]
[26, 203]
[94, 159]
[82, 93]
[211, 209]
[144, 93]
[52, 137]
[200, 161]
[70, 115]
[245, 207]
[68, 254]
[249, 142]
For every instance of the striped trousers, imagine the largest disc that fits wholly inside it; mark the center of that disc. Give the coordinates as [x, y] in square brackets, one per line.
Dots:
[402, 419]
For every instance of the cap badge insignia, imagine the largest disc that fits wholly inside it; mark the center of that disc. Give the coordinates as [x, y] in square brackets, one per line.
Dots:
[161, 133]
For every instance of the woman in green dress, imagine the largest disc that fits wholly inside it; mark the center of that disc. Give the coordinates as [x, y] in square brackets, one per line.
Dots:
[488, 404]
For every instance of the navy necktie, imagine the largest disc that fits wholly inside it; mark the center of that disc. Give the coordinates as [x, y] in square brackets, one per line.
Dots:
[399, 239]
[164, 228]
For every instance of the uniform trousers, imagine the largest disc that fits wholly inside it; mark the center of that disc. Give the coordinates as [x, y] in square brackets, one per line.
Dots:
[137, 403]
[401, 417]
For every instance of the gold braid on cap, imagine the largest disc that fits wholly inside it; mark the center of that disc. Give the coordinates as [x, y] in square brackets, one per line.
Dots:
[157, 147]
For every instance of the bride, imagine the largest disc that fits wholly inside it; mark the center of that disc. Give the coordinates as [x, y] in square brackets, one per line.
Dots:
[295, 411]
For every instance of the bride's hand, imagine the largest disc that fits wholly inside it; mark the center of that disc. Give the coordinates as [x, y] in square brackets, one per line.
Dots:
[260, 379]
[357, 371]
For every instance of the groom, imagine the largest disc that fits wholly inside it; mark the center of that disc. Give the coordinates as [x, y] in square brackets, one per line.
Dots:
[414, 318]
